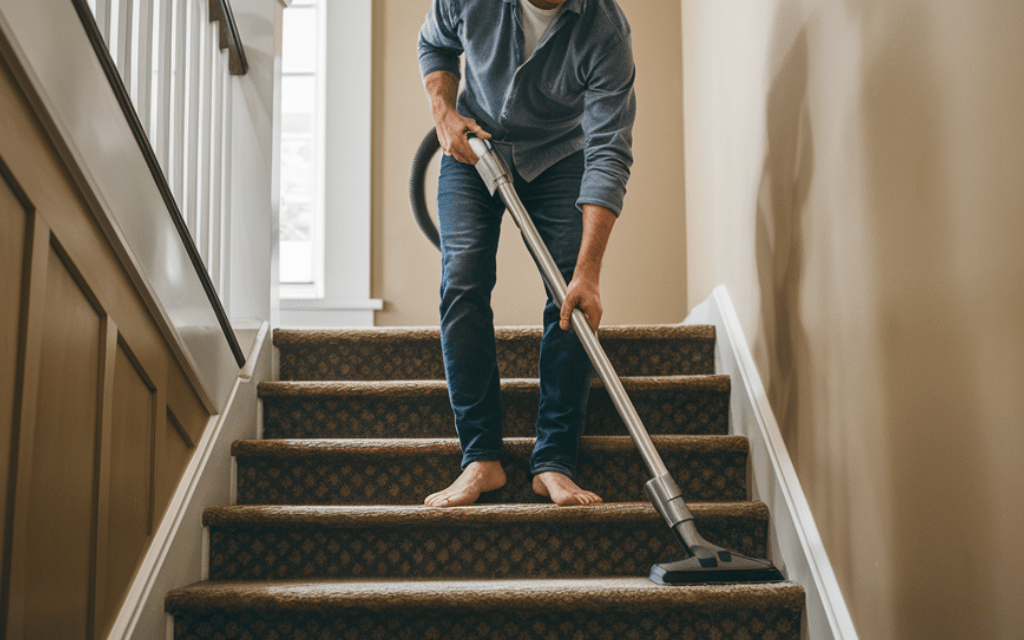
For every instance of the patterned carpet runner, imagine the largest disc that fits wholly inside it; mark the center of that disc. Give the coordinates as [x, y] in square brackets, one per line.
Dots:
[329, 539]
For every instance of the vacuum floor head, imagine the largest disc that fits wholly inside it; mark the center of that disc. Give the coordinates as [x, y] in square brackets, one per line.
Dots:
[721, 568]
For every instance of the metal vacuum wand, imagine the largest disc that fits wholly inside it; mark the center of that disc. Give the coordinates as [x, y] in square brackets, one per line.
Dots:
[704, 563]
[663, 491]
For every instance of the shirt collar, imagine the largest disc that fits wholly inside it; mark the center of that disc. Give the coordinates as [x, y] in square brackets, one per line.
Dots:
[576, 6]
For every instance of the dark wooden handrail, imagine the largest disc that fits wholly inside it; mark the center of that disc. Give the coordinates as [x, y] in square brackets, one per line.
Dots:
[220, 10]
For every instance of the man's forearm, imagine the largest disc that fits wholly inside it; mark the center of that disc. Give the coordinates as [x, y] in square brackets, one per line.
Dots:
[584, 290]
[597, 227]
[442, 90]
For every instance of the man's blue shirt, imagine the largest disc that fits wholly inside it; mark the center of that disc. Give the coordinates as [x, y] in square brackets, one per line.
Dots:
[575, 92]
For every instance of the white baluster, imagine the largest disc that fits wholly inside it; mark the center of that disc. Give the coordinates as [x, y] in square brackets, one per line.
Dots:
[192, 87]
[143, 62]
[121, 40]
[216, 157]
[101, 9]
[164, 14]
[179, 42]
[202, 166]
[225, 187]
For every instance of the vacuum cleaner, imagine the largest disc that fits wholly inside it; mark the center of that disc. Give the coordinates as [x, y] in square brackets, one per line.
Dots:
[704, 563]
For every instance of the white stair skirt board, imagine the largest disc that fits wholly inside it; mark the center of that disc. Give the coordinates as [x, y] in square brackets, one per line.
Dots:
[794, 543]
[178, 554]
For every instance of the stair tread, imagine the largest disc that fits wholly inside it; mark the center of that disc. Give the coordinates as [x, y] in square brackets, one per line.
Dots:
[403, 388]
[397, 353]
[690, 404]
[415, 446]
[477, 542]
[535, 595]
[419, 515]
[405, 471]
[386, 334]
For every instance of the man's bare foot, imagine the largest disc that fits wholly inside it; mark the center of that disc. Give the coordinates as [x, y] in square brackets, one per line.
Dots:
[476, 478]
[562, 490]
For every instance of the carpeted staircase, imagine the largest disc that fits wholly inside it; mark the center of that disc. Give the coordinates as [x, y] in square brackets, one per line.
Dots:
[330, 540]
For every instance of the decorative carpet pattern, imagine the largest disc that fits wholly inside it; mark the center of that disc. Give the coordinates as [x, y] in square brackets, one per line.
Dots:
[510, 541]
[666, 405]
[330, 539]
[405, 472]
[612, 609]
[415, 354]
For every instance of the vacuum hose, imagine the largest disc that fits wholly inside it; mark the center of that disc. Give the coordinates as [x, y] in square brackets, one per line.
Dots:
[417, 194]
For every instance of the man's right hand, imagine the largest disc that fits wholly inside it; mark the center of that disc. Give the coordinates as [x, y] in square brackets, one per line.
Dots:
[451, 133]
[452, 127]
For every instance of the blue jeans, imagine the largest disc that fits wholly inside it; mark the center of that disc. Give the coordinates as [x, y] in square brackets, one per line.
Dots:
[470, 223]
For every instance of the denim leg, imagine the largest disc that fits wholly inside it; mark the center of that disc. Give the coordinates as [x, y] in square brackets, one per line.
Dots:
[565, 368]
[470, 223]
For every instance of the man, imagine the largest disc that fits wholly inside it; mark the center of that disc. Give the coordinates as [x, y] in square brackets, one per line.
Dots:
[550, 82]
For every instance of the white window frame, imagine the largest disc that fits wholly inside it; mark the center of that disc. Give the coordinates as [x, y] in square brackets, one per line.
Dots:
[345, 299]
[314, 290]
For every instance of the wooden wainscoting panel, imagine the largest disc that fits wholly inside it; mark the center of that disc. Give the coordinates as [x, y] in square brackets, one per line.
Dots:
[175, 450]
[129, 488]
[61, 487]
[185, 404]
[55, 194]
[96, 456]
[14, 227]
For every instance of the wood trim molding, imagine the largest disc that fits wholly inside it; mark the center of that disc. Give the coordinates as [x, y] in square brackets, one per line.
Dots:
[101, 515]
[26, 368]
[19, 193]
[29, 364]
[128, 109]
[182, 432]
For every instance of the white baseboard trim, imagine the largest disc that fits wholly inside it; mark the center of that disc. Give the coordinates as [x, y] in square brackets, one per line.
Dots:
[795, 545]
[177, 555]
[326, 318]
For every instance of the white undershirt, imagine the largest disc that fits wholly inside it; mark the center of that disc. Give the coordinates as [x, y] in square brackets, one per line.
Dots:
[535, 22]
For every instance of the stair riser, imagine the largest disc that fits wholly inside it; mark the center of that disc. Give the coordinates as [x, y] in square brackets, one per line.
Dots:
[390, 624]
[368, 478]
[417, 359]
[672, 411]
[502, 550]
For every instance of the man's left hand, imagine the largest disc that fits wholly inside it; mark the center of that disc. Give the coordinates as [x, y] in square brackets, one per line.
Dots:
[584, 293]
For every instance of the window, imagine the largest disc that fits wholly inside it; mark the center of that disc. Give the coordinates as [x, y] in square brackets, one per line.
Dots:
[326, 64]
[302, 150]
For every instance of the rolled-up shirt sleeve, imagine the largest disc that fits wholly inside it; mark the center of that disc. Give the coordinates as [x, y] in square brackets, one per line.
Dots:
[439, 45]
[609, 111]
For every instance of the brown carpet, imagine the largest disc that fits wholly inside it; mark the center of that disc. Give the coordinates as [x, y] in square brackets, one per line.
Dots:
[330, 539]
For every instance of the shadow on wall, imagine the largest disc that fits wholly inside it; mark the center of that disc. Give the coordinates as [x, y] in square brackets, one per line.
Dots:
[929, 367]
[782, 195]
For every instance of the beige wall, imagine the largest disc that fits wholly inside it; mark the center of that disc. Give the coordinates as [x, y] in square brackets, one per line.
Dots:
[648, 246]
[854, 177]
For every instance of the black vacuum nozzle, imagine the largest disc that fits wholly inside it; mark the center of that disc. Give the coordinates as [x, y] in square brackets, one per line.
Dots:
[706, 563]
[715, 568]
